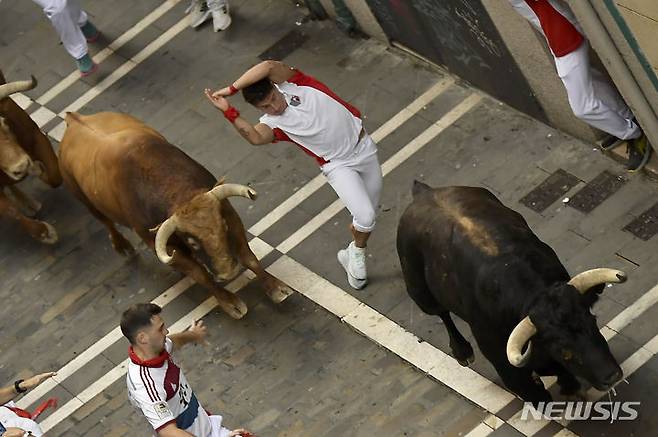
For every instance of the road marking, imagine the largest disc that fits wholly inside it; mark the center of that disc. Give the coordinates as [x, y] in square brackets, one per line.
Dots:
[259, 248]
[382, 132]
[401, 156]
[344, 299]
[110, 49]
[117, 74]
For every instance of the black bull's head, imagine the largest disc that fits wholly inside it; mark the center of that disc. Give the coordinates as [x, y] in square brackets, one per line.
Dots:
[561, 324]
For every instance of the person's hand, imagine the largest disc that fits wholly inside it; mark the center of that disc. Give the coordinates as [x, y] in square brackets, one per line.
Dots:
[241, 432]
[224, 92]
[32, 382]
[199, 331]
[14, 432]
[217, 100]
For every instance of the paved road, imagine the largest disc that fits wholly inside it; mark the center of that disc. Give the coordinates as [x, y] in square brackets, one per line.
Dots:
[328, 361]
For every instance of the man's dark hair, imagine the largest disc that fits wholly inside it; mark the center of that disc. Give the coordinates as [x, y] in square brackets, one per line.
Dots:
[137, 317]
[257, 92]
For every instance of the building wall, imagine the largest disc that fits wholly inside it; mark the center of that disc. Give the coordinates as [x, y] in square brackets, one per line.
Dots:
[642, 18]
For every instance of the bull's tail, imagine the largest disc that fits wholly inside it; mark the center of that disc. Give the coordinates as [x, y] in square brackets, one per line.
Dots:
[419, 187]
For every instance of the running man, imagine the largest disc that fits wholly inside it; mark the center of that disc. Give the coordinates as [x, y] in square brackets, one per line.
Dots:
[300, 109]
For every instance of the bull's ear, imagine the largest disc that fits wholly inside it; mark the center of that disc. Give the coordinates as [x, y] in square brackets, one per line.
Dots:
[155, 229]
[592, 294]
[220, 181]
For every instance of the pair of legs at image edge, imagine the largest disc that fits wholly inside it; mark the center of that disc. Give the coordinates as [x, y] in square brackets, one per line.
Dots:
[358, 183]
[74, 29]
[600, 105]
[202, 10]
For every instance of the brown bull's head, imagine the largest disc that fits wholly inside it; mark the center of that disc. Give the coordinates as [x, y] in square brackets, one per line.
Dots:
[205, 230]
[14, 162]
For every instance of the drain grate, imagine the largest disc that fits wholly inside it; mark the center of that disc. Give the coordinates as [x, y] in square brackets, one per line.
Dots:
[290, 42]
[646, 225]
[553, 187]
[597, 191]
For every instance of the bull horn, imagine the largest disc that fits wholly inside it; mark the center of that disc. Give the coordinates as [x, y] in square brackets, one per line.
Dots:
[10, 88]
[591, 278]
[517, 339]
[227, 190]
[165, 230]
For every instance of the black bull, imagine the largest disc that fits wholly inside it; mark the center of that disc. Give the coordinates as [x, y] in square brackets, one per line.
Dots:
[463, 252]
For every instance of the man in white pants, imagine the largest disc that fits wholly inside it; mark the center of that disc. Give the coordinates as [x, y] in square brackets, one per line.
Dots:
[157, 386]
[74, 30]
[302, 110]
[591, 96]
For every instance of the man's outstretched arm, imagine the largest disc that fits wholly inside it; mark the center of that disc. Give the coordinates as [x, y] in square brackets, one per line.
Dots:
[256, 135]
[275, 71]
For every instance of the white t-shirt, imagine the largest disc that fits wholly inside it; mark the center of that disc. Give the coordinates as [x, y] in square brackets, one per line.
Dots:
[9, 419]
[160, 390]
[316, 119]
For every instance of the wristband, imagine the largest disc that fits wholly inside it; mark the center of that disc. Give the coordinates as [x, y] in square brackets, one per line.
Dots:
[232, 89]
[231, 114]
[18, 388]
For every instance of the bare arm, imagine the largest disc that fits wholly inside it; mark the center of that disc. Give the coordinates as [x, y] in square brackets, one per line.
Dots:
[172, 430]
[195, 334]
[275, 71]
[9, 393]
[256, 135]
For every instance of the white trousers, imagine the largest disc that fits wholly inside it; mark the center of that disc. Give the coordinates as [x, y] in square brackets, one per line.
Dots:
[357, 180]
[592, 98]
[67, 17]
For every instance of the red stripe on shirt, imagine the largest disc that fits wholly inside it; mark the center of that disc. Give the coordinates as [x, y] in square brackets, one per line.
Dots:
[280, 135]
[561, 34]
[301, 79]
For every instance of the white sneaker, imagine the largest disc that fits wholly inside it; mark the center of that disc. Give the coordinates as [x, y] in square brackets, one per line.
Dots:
[221, 19]
[199, 13]
[353, 260]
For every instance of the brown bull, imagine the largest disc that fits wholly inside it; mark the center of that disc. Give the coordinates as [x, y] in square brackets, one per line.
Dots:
[127, 173]
[24, 150]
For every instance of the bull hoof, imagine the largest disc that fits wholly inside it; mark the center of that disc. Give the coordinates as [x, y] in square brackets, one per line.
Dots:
[467, 362]
[49, 235]
[279, 293]
[122, 246]
[236, 308]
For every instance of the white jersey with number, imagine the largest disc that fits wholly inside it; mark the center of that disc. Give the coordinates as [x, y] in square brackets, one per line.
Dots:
[316, 119]
[160, 390]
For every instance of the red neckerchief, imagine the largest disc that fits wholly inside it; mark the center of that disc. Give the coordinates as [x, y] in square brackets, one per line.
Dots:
[153, 362]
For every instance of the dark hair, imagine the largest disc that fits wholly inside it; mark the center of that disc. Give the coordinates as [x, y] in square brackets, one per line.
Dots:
[257, 92]
[137, 317]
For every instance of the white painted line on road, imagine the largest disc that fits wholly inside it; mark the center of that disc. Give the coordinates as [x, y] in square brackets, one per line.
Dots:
[21, 100]
[394, 161]
[111, 48]
[488, 425]
[630, 313]
[42, 116]
[382, 132]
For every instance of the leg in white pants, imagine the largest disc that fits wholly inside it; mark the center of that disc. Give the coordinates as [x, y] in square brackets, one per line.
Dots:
[359, 185]
[592, 98]
[67, 17]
